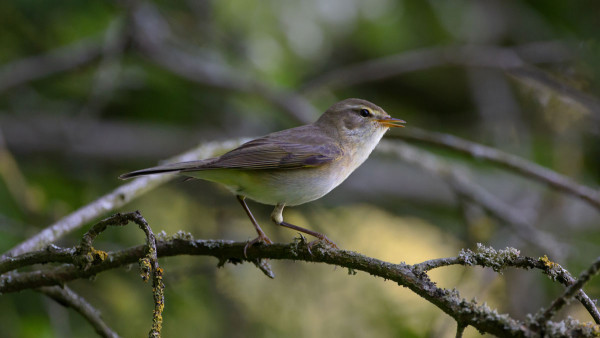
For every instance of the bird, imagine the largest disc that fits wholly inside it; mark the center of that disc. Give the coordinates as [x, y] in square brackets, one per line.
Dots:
[293, 166]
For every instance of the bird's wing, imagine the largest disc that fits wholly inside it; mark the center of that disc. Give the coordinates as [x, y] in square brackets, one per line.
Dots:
[299, 147]
[288, 149]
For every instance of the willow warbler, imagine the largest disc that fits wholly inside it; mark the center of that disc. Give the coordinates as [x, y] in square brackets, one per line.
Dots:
[293, 166]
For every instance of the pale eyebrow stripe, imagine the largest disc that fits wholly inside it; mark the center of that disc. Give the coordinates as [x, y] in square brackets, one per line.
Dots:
[362, 107]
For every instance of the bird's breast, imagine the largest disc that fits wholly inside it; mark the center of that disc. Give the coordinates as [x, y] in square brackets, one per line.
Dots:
[292, 186]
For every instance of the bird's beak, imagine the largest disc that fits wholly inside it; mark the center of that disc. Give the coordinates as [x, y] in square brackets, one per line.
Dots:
[391, 122]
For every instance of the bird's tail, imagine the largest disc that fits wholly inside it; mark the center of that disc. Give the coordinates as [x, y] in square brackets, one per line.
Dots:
[167, 168]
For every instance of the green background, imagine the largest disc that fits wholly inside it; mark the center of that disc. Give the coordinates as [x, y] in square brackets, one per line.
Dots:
[67, 136]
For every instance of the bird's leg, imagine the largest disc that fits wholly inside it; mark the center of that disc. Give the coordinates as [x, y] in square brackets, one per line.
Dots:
[277, 217]
[261, 235]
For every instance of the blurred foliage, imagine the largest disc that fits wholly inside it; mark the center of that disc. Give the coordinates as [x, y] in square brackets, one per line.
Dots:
[71, 135]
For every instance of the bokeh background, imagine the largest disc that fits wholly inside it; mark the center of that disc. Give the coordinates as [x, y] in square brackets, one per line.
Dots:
[90, 90]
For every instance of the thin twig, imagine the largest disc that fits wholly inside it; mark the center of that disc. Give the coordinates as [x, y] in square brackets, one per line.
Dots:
[148, 264]
[482, 256]
[106, 76]
[415, 60]
[505, 160]
[153, 37]
[114, 141]
[115, 199]
[506, 213]
[59, 60]
[52, 253]
[158, 287]
[505, 59]
[460, 329]
[67, 297]
[458, 180]
[14, 179]
[562, 88]
[438, 263]
[572, 290]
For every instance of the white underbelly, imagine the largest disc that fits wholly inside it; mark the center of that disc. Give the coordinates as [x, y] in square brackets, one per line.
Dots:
[290, 187]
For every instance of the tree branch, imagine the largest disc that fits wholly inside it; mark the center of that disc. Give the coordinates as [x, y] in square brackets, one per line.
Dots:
[415, 60]
[14, 179]
[59, 60]
[115, 199]
[460, 329]
[103, 87]
[505, 160]
[86, 256]
[493, 205]
[153, 37]
[68, 298]
[149, 264]
[505, 59]
[51, 253]
[572, 290]
[457, 179]
[413, 277]
[487, 257]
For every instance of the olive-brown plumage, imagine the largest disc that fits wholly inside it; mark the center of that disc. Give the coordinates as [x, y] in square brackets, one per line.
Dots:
[293, 166]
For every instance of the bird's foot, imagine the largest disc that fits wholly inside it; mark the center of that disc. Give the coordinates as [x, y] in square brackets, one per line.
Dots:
[322, 238]
[262, 238]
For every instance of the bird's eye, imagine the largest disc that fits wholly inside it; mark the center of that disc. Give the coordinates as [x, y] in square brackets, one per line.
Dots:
[365, 113]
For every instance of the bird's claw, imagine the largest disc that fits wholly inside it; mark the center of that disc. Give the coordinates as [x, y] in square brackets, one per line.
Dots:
[324, 239]
[260, 239]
